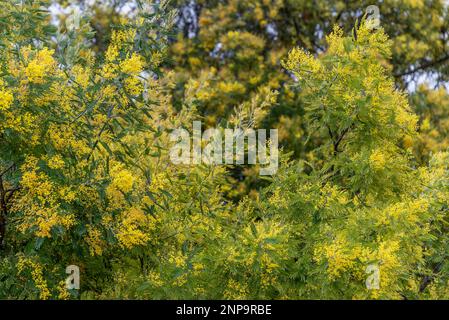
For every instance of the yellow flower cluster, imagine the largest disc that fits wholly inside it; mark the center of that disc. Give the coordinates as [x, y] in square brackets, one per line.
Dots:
[56, 162]
[338, 256]
[155, 278]
[82, 76]
[37, 274]
[236, 290]
[42, 65]
[40, 202]
[378, 159]
[64, 294]
[133, 65]
[62, 138]
[302, 63]
[231, 87]
[95, 241]
[6, 98]
[130, 232]
[122, 179]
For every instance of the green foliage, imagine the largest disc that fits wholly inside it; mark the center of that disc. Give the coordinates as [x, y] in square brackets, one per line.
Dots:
[86, 178]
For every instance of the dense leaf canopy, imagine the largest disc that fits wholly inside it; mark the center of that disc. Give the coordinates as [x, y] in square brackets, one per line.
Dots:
[89, 99]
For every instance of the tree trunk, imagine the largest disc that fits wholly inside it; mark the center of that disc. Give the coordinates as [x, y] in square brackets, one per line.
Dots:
[2, 229]
[3, 213]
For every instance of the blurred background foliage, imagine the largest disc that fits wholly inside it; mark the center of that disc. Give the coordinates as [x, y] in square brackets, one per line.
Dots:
[224, 53]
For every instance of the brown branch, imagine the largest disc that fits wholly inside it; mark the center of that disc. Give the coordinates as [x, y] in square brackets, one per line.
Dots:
[103, 128]
[429, 278]
[7, 169]
[287, 10]
[340, 138]
[10, 192]
[424, 66]
[330, 132]
[3, 213]
[335, 144]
